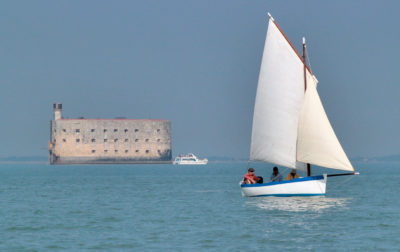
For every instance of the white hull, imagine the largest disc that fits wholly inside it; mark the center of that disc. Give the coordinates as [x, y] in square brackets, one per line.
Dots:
[189, 159]
[198, 162]
[308, 186]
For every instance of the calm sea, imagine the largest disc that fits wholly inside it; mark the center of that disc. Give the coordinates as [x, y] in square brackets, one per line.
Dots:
[191, 208]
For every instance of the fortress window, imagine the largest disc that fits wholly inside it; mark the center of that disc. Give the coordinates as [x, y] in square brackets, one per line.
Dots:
[64, 130]
[93, 151]
[159, 152]
[92, 130]
[78, 140]
[116, 140]
[158, 140]
[115, 130]
[64, 140]
[105, 151]
[126, 130]
[77, 130]
[105, 130]
[115, 151]
[126, 151]
[136, 140]
[158, 130]
[147, 139]
[105, 140]
[137, 151]
[147, 151]
[93, 140]
[126, 139]
[136, 130]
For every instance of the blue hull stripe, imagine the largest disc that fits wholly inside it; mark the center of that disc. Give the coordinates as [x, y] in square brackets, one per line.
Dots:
[319, 177]
[289, 195]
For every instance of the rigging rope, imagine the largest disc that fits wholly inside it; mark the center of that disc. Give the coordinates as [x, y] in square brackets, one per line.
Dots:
[309, 62]
[343, 182]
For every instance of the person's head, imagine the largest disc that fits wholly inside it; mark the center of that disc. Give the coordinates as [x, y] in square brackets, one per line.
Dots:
[251, 170]
[276, 171]
[293, 171]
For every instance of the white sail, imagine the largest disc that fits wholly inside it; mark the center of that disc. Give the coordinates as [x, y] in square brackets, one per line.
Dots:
[279, 97]
[317, 143]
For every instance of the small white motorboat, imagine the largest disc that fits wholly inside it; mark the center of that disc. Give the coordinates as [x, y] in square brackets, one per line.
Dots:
[189, 159]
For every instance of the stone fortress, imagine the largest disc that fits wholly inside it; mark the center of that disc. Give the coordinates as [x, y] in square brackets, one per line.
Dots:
[108, 141]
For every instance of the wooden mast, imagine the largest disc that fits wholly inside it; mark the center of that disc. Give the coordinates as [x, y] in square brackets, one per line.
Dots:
[305, 88]
[306, 68]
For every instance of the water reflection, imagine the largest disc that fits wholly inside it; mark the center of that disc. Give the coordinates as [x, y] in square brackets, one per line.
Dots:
[298, 204]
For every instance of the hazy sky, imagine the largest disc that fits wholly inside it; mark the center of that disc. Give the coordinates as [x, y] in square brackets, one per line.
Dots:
[195, 63]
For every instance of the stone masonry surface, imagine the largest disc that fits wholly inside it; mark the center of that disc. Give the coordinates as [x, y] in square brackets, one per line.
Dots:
[90, 141]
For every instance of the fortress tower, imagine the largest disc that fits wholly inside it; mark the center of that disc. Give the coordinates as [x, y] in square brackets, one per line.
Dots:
[57, 107]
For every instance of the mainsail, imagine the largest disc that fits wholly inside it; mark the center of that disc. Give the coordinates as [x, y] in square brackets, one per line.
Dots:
[279, 97]
[288, 125]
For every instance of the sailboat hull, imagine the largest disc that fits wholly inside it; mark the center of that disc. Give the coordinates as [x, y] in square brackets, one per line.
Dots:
[308, 186]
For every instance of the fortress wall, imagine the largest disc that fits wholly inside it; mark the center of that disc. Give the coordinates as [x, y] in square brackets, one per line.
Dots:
[110, 141]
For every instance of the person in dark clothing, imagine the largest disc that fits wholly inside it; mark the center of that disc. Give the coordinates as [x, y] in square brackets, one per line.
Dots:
[276, 176]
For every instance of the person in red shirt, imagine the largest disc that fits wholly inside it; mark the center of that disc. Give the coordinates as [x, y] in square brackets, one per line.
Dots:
[251, 178]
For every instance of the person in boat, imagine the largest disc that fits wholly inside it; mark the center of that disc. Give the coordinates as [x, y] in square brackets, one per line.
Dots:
[251, 178]
[292, 175]
[276, 176]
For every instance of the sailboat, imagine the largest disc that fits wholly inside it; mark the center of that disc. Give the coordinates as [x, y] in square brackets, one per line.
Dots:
[290, 126]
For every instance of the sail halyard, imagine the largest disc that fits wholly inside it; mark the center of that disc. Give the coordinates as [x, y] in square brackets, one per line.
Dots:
[305, 88]
[290, 43]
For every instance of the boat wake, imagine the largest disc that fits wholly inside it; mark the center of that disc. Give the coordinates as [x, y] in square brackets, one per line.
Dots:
[298, 204]
[208, 191]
